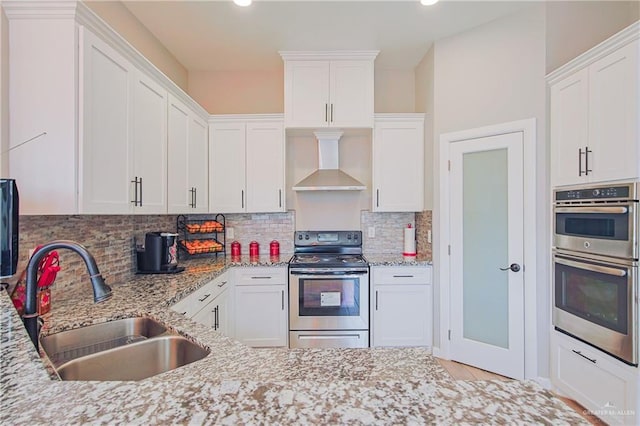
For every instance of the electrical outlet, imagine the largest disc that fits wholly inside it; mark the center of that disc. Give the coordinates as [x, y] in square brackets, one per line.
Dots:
[230, 233]
[429, 236]
[372, 232]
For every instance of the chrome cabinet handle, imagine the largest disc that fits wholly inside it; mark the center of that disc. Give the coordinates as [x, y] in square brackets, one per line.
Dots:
[283, 300]
[377, 198]
[222, 284]
[326, 112]
[403, 276]
[331, 113]
[242, 198]
[580, 161]
[195, 197]
[216, 319]
[204, 298]
[261, 278]
[140, 191]
[376, 300]
[584, 356]
[586, 161]
[137, 202]
[279, 197]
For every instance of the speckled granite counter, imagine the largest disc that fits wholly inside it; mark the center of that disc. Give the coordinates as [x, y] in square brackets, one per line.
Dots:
[235, 384]
[377, 259]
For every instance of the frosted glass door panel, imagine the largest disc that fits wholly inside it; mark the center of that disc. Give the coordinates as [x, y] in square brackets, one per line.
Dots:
[485, 244]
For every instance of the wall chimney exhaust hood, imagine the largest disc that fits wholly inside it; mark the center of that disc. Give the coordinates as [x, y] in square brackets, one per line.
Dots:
[328, 177]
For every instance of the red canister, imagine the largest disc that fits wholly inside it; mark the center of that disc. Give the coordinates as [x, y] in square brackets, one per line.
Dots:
[274, 251]
[254, 249]
[235, 251]
[274, 248]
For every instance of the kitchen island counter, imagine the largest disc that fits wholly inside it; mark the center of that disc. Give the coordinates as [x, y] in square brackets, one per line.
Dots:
[237, 384]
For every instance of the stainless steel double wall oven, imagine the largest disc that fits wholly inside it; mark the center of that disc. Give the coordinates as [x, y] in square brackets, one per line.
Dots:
[595, 267]
[328, 290]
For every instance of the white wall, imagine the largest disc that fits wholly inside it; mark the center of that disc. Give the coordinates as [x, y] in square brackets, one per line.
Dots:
[574, 27]
[131, 29]
[494, 74]
[4, 94]
[394, 90]
[424, 102]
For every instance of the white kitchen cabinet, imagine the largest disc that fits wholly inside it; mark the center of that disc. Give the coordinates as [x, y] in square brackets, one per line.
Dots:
[398, 163]
[402, 312]
[594, 109]
[328, 89]
[215, 313]
[188, 162]
[602, 384]
[260, 306]
[108, 83]
[195, 302]
[87, 125]
[246, 164]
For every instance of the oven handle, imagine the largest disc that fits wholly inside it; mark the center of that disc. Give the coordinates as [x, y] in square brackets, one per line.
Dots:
[316, 274]
[593, 209]
[327, 336]
[595, 268]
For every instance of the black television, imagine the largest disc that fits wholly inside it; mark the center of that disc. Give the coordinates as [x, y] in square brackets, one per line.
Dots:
[8, 227]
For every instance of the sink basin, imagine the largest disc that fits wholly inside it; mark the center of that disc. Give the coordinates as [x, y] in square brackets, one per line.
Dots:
[71, 344]
[134, 362]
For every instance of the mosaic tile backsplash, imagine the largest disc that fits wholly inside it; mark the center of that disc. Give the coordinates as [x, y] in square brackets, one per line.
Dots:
[110, 238]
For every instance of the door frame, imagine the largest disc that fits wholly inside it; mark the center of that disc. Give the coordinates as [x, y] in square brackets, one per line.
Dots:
[443, 240]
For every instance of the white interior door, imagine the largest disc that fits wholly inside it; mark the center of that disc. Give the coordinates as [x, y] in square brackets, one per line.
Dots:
[487, 252]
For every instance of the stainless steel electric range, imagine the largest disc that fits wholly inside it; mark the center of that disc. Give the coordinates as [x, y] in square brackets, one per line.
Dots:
[328, 291]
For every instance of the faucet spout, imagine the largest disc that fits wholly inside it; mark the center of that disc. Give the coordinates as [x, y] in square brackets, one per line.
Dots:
[101, 291]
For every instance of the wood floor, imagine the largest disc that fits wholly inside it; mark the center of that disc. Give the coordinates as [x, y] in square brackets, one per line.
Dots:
[466, 372]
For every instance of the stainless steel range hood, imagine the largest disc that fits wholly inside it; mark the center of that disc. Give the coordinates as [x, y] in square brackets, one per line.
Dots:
[328, 177]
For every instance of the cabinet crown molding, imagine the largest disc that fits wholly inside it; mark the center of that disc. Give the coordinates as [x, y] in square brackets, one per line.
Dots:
[329, 55]
[21, 9]
[618, 40]
[216, 118]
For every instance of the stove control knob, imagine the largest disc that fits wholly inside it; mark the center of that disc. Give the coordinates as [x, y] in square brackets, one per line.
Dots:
[355, 236]
[306, 237]
[299, 236]
[348, 236]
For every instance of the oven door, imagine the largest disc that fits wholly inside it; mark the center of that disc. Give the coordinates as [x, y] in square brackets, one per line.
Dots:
[330, 300]
[595, 301]
[605, 229]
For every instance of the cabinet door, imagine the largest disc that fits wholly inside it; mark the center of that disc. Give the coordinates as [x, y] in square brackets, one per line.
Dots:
[221, 313]
[306, 94]
[106, 139]
[398, 166]
[178, 126]
[198, 165]
[150, 145]
[227, 167]
[207, 315]
[351, 94]
[402, 315]
[261, 315]
[614, 94]
[265, 167]
[568, 129]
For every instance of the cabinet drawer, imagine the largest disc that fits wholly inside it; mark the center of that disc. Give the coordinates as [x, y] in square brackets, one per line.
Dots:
[401, 275]
[197, 300]
[260, 275]
[593, 379]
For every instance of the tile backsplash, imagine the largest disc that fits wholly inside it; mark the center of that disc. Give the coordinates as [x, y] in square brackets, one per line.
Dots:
[110, 238]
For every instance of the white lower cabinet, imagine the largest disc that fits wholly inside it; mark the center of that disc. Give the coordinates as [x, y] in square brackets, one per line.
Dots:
[208, 305]
[401, 306]
[603, 385]
[260, 306]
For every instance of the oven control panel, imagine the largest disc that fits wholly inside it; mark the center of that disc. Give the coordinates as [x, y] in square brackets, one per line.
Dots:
[328, 238]
[623, 192]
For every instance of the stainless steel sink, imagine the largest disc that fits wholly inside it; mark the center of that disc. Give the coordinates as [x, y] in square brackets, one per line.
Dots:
[71, 344]
[127, 349]
[134, 362]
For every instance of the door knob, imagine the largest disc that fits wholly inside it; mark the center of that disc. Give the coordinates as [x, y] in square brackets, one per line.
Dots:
[513, 267]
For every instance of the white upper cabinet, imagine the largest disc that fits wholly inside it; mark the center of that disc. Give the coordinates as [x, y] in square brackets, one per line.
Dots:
[398, 163]
[149, 146]
[594, 110]
[88, 125]
[328, 89]
[246, 164]
[106, 131]
[188, 160]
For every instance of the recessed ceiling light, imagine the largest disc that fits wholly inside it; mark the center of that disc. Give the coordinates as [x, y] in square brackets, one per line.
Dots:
[244, 2]
[428, 2]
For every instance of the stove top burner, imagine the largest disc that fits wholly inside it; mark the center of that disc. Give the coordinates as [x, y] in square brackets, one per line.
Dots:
[333, 260]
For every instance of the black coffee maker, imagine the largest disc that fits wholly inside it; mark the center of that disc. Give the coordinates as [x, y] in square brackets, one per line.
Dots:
[159, 254]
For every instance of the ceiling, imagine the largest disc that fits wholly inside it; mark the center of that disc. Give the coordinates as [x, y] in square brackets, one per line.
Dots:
[217, 35]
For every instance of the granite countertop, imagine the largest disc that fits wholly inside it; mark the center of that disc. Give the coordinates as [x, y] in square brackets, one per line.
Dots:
[237, 384]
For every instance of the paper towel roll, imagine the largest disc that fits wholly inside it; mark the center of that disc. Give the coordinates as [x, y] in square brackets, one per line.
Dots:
[409, 252]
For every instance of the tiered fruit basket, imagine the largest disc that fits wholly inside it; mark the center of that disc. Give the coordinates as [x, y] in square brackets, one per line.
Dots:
[201, 235]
